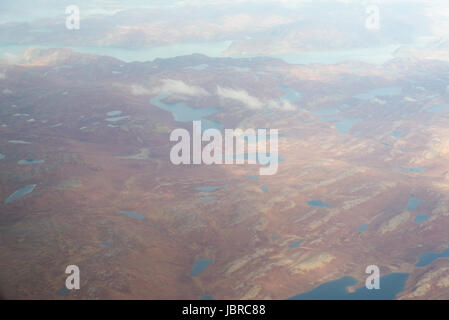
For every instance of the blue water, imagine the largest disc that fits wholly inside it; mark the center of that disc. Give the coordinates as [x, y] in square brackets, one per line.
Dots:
[253, 177]
[421, 218]
[325, 111]
[342, 124]
[30, 161]
[209, 188]
[208, 197]
[207, 297]
[133, 214]
[114, 113]
[413, 203]
[292, 95]
[397, 133]
[295, 244]
[427, 258]
[181, 112]
[63, 292]
[108, 243]
[388, 91]
[264, 189]
[362, 227]
[438, 108]
[19, 193]
[318, 203]
[2, 156]
[414, 170]
[199, 266]
[390, 285]
[115, 119]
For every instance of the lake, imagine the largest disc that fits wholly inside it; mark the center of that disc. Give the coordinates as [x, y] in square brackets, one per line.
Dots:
[199, 266]
[318, 203]
[181, 112]
[19, 193]
[390, 285]
[134, 215]
[427, 258]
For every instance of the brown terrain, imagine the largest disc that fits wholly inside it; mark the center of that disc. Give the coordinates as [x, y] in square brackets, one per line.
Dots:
[94, 168]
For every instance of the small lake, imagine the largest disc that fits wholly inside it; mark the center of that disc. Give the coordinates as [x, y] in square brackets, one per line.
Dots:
[114, 113]
[362, 227]
[438, 108]
[115, 119]
[30, 161]
[413, 170]
[421, 218]
[413, 203]
[295, 244]
[390, 285]
[19, 193]
[427, 258]
[380, 92]
[134, 215]
[318, 203]
[2, 156]
[199, 266]
[181, 112]
[209, 188]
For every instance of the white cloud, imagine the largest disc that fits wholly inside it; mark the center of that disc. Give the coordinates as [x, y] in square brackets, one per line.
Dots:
[283, 105]
[178, 87]
[138, 90]
[240, 96]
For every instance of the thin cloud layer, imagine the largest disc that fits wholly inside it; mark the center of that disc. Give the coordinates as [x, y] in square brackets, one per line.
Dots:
[178, 87]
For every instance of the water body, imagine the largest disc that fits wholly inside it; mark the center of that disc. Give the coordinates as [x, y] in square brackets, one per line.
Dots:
[318, 203]
[199, 266]
[181, 112]
[30, 161]
[245, 156]
[114, 113]
[209, 188]
[438, 108]
[414, 170]
[295, 244]
[292, 95]
[326, 111]
[108, 243]
[19, 142]
[421, 218]
[390, 285]
[133, 214]
[397, 133]
[362, 227]
[253, 177]
[427, 258]
[63, 292]
[115, 119]
[264, 189]
[208, 197]
[343, 124]
[207, 297]
[381, 92]
[2, 156]
[413, 203]
[19, 193]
